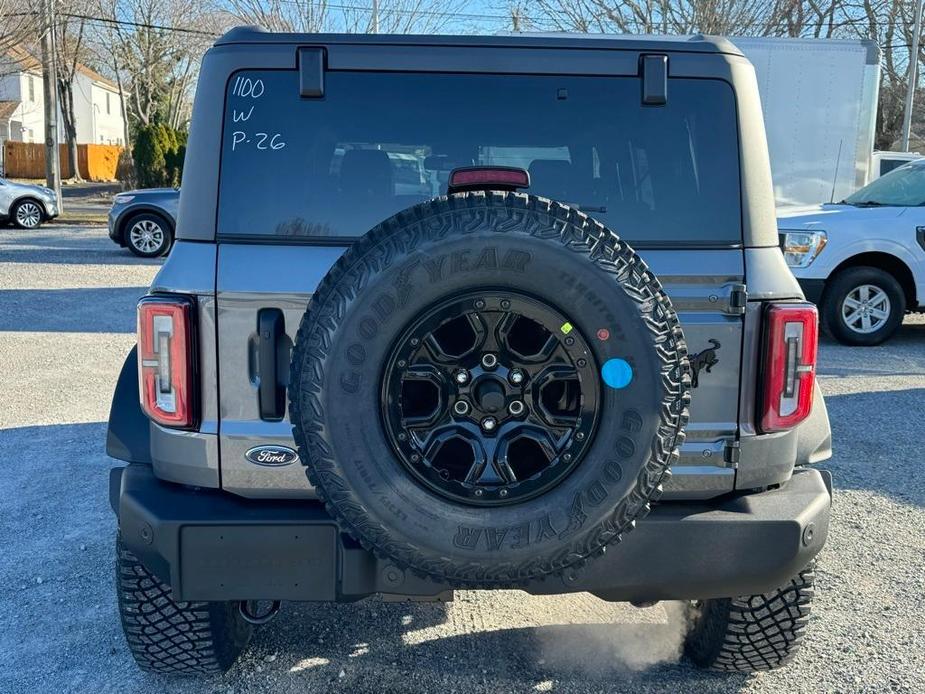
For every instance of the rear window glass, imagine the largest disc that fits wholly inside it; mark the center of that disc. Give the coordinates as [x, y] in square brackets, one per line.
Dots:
[380, 142]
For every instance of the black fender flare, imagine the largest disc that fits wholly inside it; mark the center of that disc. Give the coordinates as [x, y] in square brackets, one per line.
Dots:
[128, 436]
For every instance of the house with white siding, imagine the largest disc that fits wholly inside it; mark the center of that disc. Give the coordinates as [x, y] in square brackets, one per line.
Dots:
[97, 106]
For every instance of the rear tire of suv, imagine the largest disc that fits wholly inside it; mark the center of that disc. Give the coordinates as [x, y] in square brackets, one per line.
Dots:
[755, 632]
[148, 235]
[863, 306]
[170, 637]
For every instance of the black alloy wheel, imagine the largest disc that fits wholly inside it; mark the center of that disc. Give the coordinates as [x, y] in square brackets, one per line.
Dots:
[488, 399]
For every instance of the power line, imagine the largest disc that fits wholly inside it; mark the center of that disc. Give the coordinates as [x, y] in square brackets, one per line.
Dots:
[138, 25]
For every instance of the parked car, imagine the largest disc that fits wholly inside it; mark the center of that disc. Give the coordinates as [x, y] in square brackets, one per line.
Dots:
[342, 388]
[144, 220]
[26, 205]
[862, 260]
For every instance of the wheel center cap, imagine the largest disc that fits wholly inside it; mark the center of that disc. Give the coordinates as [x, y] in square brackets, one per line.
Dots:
[489, 394]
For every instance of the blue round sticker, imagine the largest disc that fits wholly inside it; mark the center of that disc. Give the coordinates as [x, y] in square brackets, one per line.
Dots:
[617, 373]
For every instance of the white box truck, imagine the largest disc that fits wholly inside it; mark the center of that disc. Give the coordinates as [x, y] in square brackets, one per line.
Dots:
[820, 106]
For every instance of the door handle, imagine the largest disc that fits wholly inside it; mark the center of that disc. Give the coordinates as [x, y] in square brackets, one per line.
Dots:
[272, 353]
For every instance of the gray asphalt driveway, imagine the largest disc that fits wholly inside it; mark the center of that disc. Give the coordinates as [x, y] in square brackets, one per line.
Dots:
[66, 321]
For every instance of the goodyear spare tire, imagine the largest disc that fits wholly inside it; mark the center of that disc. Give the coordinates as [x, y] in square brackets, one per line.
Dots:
[489, 388]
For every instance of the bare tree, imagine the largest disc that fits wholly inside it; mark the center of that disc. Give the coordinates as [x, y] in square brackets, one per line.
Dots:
[740, 17]
[404, 16]
[18, 22]
[70, 50]
[395, 16]
[154, 47]
[278, 15]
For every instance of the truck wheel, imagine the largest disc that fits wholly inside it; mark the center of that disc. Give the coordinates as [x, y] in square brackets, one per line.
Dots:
[863, 306]
[755, 632]
[489, 388]
[169, 637]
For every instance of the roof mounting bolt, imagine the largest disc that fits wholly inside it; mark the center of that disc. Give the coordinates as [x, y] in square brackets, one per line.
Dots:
[516, 377]
[462, 377]
[461, 407]
[489, 361]
[489, 423]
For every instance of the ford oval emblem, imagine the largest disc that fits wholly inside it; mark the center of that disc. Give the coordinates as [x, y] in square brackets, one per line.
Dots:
[271, 456]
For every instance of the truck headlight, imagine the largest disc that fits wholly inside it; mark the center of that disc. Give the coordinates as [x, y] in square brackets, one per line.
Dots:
[801, 247]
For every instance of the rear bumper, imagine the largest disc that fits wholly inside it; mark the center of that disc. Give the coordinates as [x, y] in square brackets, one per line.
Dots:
[212, 545]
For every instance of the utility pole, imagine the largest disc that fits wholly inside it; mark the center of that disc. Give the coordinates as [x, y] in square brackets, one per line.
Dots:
[50, 84]
[375, 22]
[912, 76]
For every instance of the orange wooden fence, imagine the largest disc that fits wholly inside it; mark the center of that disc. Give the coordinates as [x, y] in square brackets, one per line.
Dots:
[27, 160]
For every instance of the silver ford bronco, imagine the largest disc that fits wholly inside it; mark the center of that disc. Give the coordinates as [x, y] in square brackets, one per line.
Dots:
[471, 312]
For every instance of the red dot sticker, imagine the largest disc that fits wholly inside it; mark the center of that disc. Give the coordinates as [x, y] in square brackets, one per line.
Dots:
[603, 334]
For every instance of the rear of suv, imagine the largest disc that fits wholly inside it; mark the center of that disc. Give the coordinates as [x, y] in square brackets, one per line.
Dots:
[471, 312]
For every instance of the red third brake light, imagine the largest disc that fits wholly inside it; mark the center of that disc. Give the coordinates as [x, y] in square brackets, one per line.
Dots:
[488, 177]
[165, 360]
[791, 340]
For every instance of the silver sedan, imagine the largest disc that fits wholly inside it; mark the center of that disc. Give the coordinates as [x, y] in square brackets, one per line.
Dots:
[26, 205]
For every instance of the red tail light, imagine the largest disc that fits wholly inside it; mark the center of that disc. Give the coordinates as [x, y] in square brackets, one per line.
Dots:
[165, 360]
[791, 340]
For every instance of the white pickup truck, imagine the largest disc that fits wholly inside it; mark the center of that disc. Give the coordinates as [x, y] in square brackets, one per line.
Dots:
[862, 260]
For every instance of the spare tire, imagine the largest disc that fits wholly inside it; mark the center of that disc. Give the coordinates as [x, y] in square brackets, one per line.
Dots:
[414, 352]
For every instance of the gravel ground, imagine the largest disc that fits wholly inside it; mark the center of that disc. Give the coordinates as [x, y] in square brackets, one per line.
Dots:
[66, 322]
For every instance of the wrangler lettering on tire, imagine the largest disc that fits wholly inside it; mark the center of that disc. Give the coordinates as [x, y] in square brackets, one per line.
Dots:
[448, 403]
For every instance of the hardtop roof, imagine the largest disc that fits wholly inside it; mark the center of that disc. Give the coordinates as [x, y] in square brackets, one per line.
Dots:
[629, 42]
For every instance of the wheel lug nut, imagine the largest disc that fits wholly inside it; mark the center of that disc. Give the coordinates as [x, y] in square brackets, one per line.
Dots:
[582, 363]
[580, 436]
[480, 304]
[489, 361]
[489, 423]
[461, 407]
[478, 492]
[502, 493]
[516, 407]
[415, 457]
[462, 377]
[505, 304]
[516, 377]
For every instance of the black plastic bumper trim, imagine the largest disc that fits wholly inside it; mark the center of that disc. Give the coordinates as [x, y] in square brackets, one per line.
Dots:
[212, 545]
[812, 289]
